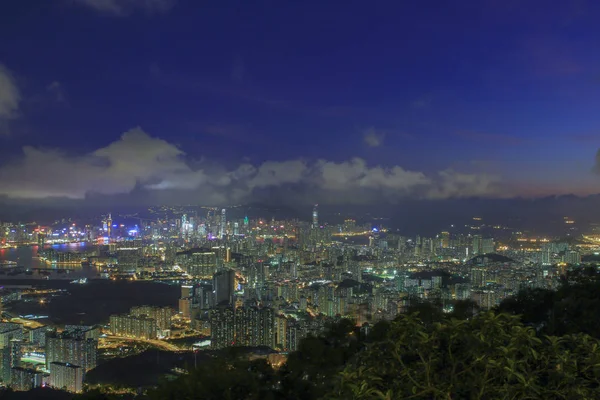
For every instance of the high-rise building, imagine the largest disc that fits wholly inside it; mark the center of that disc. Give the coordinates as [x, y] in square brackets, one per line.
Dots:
[546, 257]
[478, 277]
[8, 332]
[187, 291]
[223, 231]
[11, 335]
[83, 331]
[476, 245]
[245, 326]
[109, 225]
[141, 327]
[37, 336]
[445, 240]
[24, 379]
[64, 348]
[222, 327]
[488, 246]
[10, 358]
[572, 257]
[199, 263]
[254, 327]
[66, 376]
[315, 216]
[185, 307]
[462, 291]
[281, 324]
[223, 287]
[293, 335]
[162, 315]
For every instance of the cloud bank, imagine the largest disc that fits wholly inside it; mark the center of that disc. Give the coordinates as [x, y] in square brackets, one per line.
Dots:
[596, 167]
[140, 163]
[10, 97]
[126, 7]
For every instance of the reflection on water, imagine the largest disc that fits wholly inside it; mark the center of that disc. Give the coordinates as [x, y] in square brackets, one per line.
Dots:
[27, 258]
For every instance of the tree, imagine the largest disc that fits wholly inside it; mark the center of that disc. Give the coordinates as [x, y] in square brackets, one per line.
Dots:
[573, 308]
[492, 356]
[221, 379]
[309, 372]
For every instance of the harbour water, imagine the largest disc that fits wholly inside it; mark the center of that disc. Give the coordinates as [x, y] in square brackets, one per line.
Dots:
[26, 257]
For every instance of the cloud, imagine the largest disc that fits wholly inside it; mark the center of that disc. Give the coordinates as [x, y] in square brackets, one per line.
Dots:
[453, 184]
[10, 96]
[140, 163]
[126, 7]
[135, 159]
[596, 168]
[57, 91]
[373, 138]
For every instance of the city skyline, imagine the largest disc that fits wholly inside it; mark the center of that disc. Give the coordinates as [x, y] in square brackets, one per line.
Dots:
[221, 105]
[299, 200]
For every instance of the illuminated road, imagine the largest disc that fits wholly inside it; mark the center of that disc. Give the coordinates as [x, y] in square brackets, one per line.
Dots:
[29, 323]
[155, 342]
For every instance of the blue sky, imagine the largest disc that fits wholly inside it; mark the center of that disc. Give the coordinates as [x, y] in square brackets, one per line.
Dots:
[235, 97]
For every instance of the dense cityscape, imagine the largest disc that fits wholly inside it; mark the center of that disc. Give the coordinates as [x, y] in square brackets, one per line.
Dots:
[299, 200]
[259, 283]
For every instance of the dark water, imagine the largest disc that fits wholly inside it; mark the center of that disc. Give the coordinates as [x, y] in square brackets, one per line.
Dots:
[27, 257]
[94, 302]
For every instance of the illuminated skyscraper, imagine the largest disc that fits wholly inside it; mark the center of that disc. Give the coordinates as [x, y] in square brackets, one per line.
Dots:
[141, 327]
[315, 216]
[223, 224]
[223, 287]
[254, 327]
[66, 376]
[24, 379]
[10, 357]
[71, 349]
[445, 240]
[487, 246]
[162, 315]
[478, 277]
[476, 244]
[222, 326]
[108, 224]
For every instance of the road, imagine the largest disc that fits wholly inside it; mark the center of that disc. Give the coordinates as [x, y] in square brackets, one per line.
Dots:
[155, 342]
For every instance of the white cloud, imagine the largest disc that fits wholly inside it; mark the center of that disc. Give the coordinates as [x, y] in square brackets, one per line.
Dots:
[126, 7]
[373, 138]
[137, 161]
[10, 96]
[457, 184]
[273, 173]
[355, 174]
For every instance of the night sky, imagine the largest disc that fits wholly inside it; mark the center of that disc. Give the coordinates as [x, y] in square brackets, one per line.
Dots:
[224, 102]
